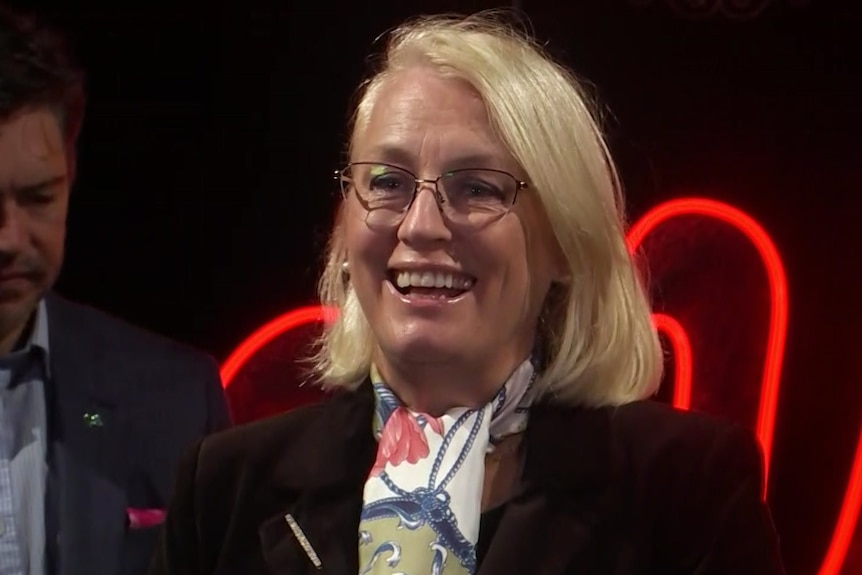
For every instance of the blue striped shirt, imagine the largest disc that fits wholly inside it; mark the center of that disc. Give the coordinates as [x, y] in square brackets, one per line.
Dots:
[23, 447]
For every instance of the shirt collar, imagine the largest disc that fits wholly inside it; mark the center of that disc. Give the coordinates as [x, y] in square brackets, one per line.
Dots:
[39, 336]
[35, 349]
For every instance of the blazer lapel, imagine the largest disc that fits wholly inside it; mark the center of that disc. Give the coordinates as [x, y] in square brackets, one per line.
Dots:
[318, 531]
[567, 497]
[87, 459]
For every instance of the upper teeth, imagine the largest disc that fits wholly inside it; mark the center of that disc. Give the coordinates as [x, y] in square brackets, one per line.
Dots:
[432, 280]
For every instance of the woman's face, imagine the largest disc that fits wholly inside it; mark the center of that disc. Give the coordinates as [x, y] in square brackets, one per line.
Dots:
[484, 325]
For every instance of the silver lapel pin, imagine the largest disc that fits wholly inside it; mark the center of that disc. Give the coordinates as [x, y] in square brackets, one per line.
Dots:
[303, 541]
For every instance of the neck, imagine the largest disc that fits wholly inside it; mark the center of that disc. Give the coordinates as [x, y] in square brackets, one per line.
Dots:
[435, 389]
[11, 336]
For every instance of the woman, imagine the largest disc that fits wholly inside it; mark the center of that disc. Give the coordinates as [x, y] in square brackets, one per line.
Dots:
[493, 349]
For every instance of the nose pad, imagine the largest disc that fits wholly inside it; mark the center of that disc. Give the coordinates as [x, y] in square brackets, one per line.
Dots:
[441, 199]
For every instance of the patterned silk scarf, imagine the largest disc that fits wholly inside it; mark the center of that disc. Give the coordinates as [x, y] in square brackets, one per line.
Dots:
[422, 500]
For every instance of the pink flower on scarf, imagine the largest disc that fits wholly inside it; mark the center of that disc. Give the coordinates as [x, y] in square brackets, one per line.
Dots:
[403, 439]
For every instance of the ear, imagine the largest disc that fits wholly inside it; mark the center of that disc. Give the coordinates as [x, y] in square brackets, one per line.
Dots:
[542, 242]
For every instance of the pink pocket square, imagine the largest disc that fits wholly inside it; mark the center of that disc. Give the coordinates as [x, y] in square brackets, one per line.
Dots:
[143, 518]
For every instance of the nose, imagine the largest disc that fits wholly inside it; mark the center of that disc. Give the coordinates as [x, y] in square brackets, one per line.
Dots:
[424, 223]
[12, 227]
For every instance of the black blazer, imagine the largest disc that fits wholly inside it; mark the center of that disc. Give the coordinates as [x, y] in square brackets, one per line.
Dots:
[123, 405]
[638, 489]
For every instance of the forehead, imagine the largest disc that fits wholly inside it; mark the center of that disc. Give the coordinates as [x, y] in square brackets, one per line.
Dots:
[31, 148]
[419, 115]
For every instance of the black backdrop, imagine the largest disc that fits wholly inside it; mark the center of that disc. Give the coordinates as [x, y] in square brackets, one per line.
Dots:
[204, 190]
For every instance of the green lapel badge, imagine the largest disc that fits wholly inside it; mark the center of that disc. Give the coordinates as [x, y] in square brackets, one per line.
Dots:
[93, 420]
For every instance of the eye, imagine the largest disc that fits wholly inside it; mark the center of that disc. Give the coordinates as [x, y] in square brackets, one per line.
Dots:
[385, 180]
[479, 189]
[36, 196]
[39, 199]
[388, 182]
[476, 187]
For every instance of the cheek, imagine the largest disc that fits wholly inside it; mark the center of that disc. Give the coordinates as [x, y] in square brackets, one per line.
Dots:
[503, 260]
[368, 254]
[50, 241]
[528, 273]
[365, 248]
[48, 231]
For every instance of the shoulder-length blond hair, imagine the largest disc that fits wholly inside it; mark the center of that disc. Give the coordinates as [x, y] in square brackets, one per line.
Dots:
[601, 346]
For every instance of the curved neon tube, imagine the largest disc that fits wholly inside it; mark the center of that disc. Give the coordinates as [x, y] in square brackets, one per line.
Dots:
[771, 380]
[265, 334]
[682, 358]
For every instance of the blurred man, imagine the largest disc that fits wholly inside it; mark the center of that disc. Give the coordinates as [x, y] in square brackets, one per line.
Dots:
[94, 413]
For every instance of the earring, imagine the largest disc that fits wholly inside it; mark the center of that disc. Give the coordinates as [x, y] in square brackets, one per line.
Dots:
[345, 271]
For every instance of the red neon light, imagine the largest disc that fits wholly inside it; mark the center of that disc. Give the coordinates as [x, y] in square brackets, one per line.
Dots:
[266, 334]
[771, 381]
[847, 518]
[770, 384]
[302, 316]
[681, 357]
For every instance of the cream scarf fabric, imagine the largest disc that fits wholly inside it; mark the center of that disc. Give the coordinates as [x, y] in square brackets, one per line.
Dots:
[422, 500]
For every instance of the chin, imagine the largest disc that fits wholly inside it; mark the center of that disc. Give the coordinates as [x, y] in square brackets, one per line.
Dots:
[427, 349]
[14, 312]
[16, 299]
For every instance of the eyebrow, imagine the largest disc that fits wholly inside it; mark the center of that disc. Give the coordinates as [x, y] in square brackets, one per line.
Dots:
[401, 157]
[39, 186]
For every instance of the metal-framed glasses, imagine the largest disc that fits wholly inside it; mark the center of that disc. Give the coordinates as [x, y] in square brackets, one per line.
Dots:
[472, 197]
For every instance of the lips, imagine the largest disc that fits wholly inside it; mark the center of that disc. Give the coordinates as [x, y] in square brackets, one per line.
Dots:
[429, 282]
[17, 273]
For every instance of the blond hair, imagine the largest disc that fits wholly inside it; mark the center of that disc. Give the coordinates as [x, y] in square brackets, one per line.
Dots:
[600, 343]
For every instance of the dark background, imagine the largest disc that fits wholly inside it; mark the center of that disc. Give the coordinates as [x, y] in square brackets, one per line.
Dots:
[204, 190]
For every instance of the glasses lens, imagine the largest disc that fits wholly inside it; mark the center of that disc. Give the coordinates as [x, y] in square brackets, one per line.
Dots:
[477, 196]
[384, 191]
[383, 186]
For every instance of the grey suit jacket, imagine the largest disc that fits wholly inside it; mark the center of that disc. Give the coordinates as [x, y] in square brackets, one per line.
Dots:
[123, 405]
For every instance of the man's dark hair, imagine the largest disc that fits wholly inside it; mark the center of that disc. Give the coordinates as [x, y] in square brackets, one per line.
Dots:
[37, 69]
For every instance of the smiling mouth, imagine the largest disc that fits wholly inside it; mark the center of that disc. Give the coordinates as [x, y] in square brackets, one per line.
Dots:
[431, 284]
